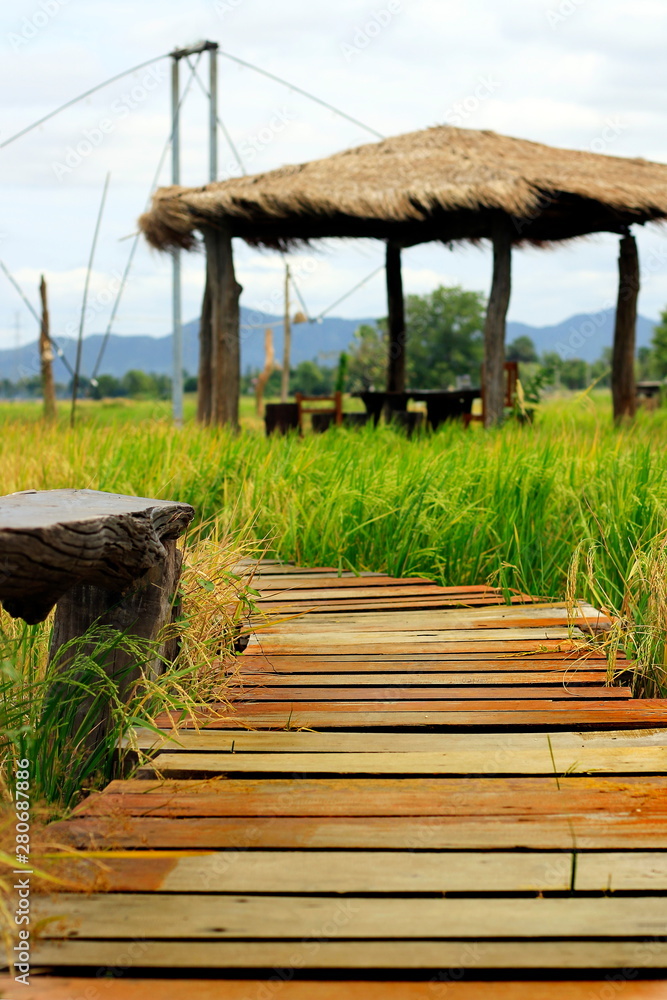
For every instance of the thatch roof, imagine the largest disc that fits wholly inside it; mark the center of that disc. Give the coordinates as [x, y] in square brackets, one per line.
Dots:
[443, 183]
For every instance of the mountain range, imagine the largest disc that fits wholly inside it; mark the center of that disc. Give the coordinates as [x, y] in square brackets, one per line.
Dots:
[582, 336]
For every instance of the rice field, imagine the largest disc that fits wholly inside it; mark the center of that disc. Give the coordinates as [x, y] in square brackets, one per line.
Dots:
[509, 507]
[568, 506]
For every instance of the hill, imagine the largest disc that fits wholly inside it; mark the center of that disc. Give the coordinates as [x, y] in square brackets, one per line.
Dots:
[582, 336]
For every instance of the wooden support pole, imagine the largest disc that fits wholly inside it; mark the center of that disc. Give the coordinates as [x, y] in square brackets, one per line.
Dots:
[46, 358]
[205, 360]
[396, 313]
[623, 388]
[224, 292]
[494, 327]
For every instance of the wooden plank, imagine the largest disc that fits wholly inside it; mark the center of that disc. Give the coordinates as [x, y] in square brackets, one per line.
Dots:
[493, 746]
[637, 871]
[416, 637]
[507, 613]
[372, 604]
[185, 917]
[480, 646]
[276, 664]
[401, 588]
[355, 872]
[481, 796]
[525, 616]
[611, 760]
[227, 955]
[298, 581]
[570, 717]
[626, 830]
[487, 658]
[258, 871]
[535, 678]
[247, 693]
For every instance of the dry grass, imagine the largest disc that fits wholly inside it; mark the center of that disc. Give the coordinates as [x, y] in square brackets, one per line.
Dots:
[442, 183]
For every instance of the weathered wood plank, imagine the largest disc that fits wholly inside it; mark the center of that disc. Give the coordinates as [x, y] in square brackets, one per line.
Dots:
[186, 917]
[351, 872]
[493, 746]
[412, 638]
[623, 831]
[277, 956]
[569, 717]
[259, 871]
[633, 760]
[247, 694]
[481, 796]
[534, 678]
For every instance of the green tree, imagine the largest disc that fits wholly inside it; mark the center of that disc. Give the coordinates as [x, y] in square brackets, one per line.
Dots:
[367, 357]
[444, 336]
[574, 373]
[310, 379]
[521, 349]
[444, 331]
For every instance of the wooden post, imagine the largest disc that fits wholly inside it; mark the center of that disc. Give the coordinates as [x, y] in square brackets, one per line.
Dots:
[494, 327]
[269, 367]
[224, 293]
[205, 359]
[287, 343]
[46, 358]
[396, 313]
[623, 388]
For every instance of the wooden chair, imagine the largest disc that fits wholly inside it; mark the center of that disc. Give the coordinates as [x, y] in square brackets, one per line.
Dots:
[511, 371]
[334, 412]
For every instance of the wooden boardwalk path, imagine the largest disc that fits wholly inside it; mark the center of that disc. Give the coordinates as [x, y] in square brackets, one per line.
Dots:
[415, 786]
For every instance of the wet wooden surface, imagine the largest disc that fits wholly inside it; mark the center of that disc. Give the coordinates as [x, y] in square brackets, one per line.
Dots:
[405, 777]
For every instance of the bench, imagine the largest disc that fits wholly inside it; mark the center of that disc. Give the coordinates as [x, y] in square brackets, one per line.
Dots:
[98, 558]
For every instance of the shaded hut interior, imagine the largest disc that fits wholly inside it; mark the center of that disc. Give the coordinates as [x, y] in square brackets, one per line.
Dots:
[442, 184]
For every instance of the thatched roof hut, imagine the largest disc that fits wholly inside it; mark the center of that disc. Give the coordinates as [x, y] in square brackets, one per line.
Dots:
[445, 184]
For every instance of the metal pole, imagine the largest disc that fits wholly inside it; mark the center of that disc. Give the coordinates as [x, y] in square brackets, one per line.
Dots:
[287, 343]
[177, 370]
[213, 114]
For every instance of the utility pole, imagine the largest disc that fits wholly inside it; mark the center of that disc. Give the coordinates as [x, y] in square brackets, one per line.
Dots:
[287, 342]
[177, 318]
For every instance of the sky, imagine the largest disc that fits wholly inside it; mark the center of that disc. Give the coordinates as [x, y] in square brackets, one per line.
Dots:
[582, 74]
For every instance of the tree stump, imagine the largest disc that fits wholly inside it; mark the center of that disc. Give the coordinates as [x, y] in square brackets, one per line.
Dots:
[99, 558]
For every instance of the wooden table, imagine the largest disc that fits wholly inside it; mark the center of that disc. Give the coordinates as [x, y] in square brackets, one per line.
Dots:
[441, 404]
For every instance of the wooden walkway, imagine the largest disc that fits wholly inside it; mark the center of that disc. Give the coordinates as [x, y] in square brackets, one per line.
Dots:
[416, 786]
